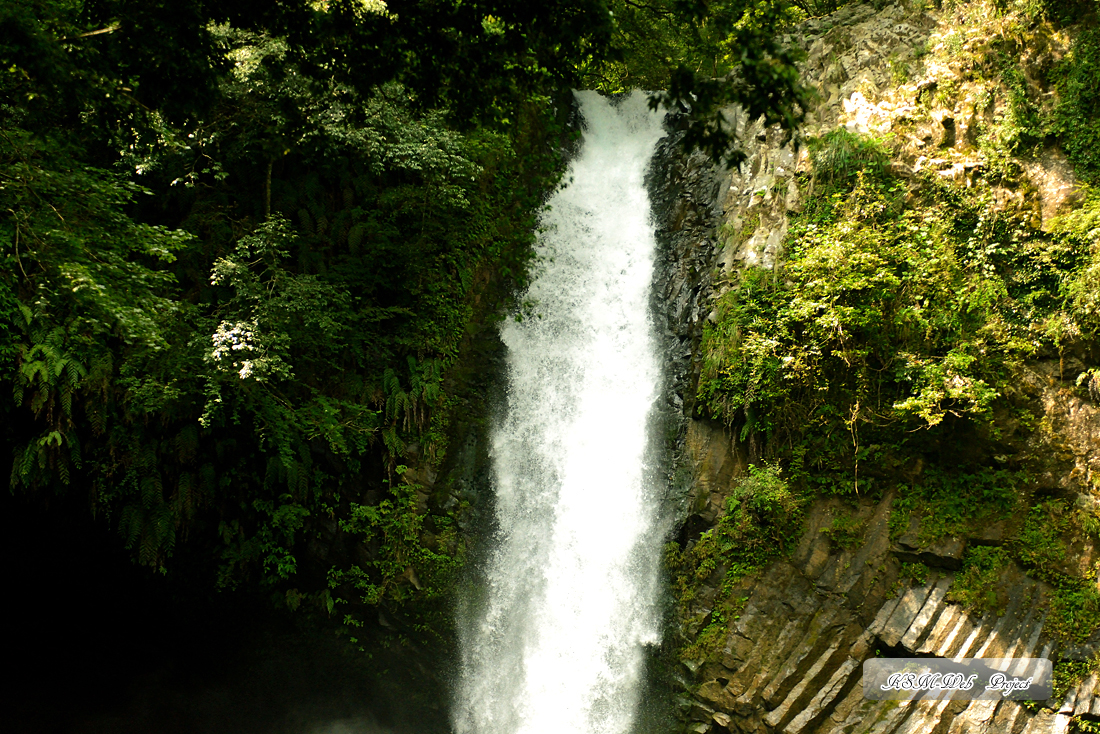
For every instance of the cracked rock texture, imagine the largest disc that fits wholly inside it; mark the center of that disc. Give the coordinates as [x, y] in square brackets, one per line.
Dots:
[792, 661]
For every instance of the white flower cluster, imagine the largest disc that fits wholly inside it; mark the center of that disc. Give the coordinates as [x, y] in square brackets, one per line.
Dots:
[233, 341]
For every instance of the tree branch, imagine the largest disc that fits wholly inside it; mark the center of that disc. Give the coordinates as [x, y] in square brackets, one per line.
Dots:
[101, 31]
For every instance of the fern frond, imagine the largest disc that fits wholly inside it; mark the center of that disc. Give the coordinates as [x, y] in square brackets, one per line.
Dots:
[274, 473]
[147, 553]
[164, 528]
[34, 368]
[187, 443]
[101, 366]
[398, 406]
[306, 462]
[151, 491]
[291, 474]
[394, 445]
[390, 383]
[415, 382]
[185, 501]
[26, 463]
[355, 237]
[96, 416]
[74, 373]
[147, 459]
[72, 440]
[38, 401]
[130, 523]
[341, 223]
[208, 479]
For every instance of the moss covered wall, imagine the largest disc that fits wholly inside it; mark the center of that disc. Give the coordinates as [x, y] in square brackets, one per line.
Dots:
[892, 397]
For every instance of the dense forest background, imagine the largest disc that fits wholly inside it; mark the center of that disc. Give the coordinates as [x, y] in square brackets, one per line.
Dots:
[247, 247]
[243, 247]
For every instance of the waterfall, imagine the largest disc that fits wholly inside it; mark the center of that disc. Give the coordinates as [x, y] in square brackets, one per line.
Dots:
[554, 641]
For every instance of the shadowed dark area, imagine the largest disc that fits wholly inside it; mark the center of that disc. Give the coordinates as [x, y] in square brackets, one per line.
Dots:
[98, 644]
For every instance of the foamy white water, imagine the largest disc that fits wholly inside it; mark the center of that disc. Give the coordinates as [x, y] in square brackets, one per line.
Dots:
[556, 644]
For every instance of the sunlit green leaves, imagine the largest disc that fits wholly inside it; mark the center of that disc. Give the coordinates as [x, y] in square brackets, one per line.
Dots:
[889, 315]
[704, 57]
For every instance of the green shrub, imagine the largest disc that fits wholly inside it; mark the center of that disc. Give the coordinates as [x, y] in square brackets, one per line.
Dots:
[880, 321]
[897, 319]
[915, 573]
[1076, 116]
[1069, 673]
[901, 512]
[846, 531]
[1022, 127]
[1074, 609]
[1039, 544]
[951, 502]
[975, 584]
[763, 520]
[838, 157]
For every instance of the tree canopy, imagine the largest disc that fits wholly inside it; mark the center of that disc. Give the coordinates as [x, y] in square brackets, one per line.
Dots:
[244, 242]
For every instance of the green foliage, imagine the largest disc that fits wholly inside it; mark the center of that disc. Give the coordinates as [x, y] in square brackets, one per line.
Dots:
[840, 156]
[879, 322]
[238, 354]
[901, 513]
[1082, 228]
[1039, 543]
[897, 317]
[1074, 609]
[976, 584]
[1032, 117]
[760, 513]
[652, 38]
[1040, 547]
[846, 531]
[706, 55]
[1022, 126]
[1068, 674]
[330, 340]
[915, 573]
[762, 521]
[85, 286]
[952, 502]
[403, 573]
[1088, 520]
[1076, 116]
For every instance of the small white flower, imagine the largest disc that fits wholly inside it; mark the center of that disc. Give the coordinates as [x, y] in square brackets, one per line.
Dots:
[230, 339]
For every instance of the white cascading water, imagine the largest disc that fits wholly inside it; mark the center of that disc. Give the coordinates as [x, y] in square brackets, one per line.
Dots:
[555, 644]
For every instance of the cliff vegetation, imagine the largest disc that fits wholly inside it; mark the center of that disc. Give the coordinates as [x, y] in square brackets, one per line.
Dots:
[901, 352]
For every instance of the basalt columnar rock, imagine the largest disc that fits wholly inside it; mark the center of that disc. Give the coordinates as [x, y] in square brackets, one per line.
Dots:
[792, 662]
[790, 659]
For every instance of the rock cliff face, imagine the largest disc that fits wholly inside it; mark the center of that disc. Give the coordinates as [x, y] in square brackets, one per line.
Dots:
[791, 659]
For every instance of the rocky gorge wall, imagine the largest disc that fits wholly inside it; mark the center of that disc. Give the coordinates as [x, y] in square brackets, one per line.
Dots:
[861, 578]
